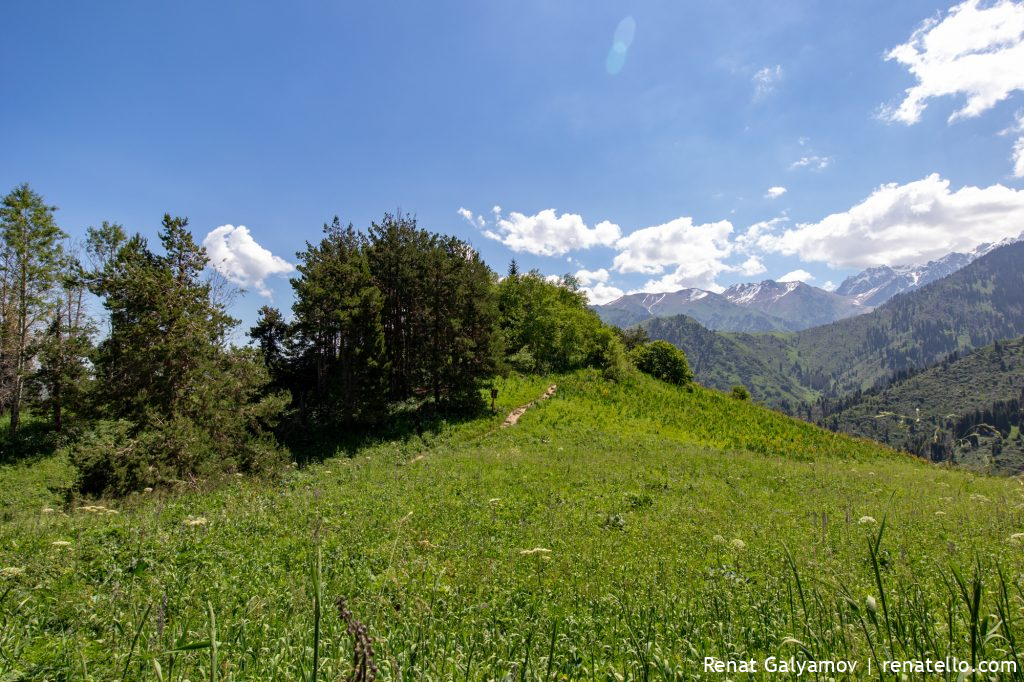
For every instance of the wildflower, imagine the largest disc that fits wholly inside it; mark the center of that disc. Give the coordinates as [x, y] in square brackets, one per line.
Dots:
[1017, 537]
[866, 520]
[871, 604]
[720, 540]
[738, 544]
[535, 550]
[494, 500]
[147, 489]
[195, 521]
[12, 571]
[47, 510]
[417, 458]
[940, 513]
[979, 498]
[61, 543]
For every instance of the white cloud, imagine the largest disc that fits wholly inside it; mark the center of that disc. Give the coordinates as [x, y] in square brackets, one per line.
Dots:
[975, 51]
[775, 192]
[601, 293]
[1018, 158]
[814, 163]
[829, 286]
[546, 234]
[905, 224]
[239, 258]
[474, 220]
[587, 277]
[796, 276]
[699, 248]
[765, 80]
[752, 266]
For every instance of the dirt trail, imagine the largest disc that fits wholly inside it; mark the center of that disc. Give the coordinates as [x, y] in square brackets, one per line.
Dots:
[515, 414]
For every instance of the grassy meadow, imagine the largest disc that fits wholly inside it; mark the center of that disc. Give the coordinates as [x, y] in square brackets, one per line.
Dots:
[619, 531]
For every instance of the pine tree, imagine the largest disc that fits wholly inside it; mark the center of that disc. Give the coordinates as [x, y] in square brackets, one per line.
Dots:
[32, 254]
[338, 321]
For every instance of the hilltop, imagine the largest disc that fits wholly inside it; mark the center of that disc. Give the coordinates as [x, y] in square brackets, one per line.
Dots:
[620, 528]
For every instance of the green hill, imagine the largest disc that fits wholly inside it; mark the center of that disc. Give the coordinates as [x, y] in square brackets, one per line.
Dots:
[964, 409]
[619, 531]
[722, 360]
[975, 306]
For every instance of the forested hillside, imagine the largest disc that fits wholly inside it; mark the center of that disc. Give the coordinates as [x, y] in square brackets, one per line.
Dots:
[965, 410]
[721, 361]
[973, 307]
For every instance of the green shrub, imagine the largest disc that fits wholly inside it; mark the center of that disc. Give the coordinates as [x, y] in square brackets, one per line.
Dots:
[664, 361]
[740, 392]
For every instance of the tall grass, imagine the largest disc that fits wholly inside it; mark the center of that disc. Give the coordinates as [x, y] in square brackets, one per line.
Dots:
[485, 553]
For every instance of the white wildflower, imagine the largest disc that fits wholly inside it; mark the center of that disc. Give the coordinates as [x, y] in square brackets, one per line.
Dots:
[738, 544]
[866, 520]
[12, 571]
[61, 543]
[535, 550]
[196, 521]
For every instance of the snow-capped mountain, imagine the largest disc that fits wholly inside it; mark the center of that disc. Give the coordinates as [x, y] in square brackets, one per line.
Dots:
[801, 305]
[875, 286]
[712, 310]
[789, 306]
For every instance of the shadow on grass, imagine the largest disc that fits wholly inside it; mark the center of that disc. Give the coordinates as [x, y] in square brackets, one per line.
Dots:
[309, 442]
[35, 440]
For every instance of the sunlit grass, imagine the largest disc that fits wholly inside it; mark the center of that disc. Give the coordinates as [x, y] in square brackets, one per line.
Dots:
[617, 531]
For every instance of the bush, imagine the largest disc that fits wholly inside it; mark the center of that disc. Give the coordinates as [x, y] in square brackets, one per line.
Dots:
[664, 361]
[740, 392]
[114, 458]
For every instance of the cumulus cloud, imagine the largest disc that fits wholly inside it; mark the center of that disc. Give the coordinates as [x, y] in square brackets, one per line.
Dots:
[829, 286]
[765, 80]
[974, 50]
[1018, 158]
[548, 234]
[775, 192]
[903, 224]
[813, 162]
[601, 293]
[695, 251]
[752, 266]
[240, 259]
[587, 277]
[796, 276]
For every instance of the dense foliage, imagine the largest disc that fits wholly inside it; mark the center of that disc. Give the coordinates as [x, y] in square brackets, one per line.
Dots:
[965, 409]
[395, 327]
[663, 361]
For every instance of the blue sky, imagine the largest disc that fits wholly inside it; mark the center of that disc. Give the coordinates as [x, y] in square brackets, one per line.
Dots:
[643, 166]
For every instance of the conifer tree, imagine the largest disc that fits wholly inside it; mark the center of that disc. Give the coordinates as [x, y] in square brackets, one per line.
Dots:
[32, 254]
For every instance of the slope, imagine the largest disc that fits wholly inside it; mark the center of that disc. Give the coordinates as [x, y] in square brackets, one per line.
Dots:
[624, 529]
[965, 409]
[721, 361]
[973, 307]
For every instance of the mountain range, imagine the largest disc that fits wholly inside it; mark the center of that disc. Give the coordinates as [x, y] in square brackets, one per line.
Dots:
[771, 306]
[977, 305]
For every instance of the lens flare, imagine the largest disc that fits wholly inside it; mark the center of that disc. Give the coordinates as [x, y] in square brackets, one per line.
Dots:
[621, 41]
